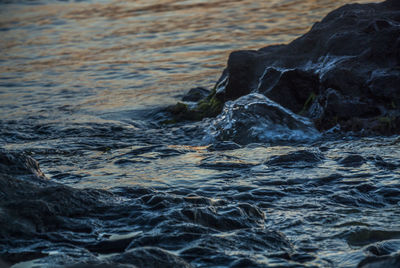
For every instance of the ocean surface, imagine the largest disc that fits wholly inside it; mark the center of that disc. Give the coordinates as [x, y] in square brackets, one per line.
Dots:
[81, 87]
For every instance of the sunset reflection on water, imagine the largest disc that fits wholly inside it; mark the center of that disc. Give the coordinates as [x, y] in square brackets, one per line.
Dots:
[117, 55]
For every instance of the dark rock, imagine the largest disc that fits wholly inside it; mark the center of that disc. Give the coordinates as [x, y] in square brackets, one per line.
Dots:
[243, 73]
[380, 261]
[342, 107]
[196, 94]
[53, 225]
[14, 164]
[37, 206]
[379, 162]
[255, 118]
[344, 71]
[351, 113]
[299, 158]
[291, 90]
[384, 248]
[344, 79]
[364, 236]
[353, 160]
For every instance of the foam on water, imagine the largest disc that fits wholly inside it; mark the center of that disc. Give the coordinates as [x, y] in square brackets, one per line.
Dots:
[255, 118]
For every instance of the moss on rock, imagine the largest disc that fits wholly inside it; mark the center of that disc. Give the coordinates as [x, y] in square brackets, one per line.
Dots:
[210, 106]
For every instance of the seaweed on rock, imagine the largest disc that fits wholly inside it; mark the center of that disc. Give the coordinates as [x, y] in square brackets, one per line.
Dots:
[344, 72]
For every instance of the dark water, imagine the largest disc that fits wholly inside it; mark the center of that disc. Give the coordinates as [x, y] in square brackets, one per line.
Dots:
[80, 86]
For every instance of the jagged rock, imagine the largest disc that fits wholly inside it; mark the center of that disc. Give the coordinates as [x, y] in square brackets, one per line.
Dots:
[345, 71]
[33, 206]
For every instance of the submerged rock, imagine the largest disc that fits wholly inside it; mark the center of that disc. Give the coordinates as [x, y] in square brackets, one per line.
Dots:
[300, 158]
[352, 160]
[255, 118]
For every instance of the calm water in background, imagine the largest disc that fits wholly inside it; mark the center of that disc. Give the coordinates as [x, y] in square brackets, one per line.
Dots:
[79, 82]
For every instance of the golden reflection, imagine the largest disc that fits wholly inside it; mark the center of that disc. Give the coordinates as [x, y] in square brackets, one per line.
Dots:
[140, 53]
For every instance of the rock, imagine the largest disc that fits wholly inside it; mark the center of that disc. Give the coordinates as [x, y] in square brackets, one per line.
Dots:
[292, 89]
[243, 73]
[210, 106]
[148, 257]
[342, 107]
[255, 118]
[344, 71]
[36, 206]
[384, 248]
[196, 94]
[352, 160]
[381, 261]
[37, 214]
[299, 158]
[366, 236]
[14, 164]
[49, 224]
[379, 162]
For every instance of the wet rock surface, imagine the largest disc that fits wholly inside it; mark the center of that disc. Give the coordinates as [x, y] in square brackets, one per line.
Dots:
[376, 262]
[248, 214]
[299, 158]
[48, 217]
[352, 160]
[255, 118]
[344, 72]
[125, 190]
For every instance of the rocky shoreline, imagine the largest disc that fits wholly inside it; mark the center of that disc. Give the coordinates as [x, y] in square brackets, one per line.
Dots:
[38, 215]
[343, 74]
[48, 224]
